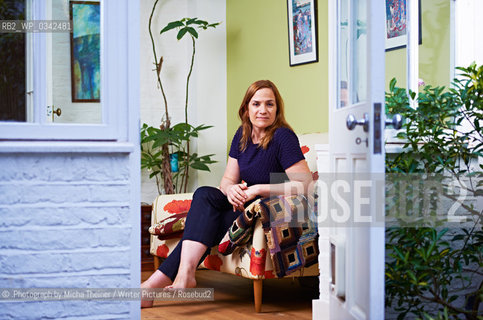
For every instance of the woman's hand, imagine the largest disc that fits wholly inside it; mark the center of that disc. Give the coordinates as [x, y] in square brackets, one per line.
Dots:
[236, 195]
[251, 192]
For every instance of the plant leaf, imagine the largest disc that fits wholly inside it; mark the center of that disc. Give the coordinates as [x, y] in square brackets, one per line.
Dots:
[172, 25]
[181, 33]
[199, 166]
[196, 21]
[192, 31]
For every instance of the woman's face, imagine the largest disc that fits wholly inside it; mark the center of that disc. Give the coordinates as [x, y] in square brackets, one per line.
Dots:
[262, 109]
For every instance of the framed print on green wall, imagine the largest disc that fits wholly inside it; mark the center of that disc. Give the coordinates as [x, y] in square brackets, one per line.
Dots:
[396, 24]
[302, 31]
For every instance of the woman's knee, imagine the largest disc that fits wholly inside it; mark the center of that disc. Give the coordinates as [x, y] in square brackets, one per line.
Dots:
[206, 193]
[209, 197]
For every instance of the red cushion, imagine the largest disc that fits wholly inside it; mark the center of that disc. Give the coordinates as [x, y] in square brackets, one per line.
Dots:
[170, 227]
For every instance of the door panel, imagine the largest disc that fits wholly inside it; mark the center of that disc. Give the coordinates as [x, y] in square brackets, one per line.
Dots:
[356, 63]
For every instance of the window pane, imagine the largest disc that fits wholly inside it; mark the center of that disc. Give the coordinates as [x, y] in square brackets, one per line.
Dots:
[67, 88]
[343, 52]
[75, 64]
[359, 51]
[352, 52]
[12, 67]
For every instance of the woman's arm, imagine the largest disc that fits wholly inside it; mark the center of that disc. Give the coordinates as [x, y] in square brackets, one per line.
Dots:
[230, 184]
[300, 179]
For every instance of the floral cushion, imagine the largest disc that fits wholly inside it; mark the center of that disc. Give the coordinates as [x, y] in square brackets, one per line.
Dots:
[170, 227]
[178, 206]
[168, 222]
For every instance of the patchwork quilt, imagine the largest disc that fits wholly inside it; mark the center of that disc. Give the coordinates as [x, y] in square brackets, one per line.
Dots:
[291, 234]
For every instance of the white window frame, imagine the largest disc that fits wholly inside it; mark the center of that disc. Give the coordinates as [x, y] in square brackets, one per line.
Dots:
[114, 99]
[412, 52]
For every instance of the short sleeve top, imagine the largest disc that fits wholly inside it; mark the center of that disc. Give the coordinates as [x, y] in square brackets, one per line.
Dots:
[256, 164]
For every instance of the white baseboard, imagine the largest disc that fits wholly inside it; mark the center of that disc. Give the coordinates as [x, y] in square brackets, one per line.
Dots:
[320, 309]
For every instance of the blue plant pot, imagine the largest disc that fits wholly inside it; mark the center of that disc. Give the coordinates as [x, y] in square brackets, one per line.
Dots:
[173, 159]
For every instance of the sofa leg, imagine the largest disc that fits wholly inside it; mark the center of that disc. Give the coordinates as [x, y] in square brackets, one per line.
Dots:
[257, 292]
[156, 263]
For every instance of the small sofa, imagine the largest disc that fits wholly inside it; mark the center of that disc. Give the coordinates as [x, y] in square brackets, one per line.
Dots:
[249, 259]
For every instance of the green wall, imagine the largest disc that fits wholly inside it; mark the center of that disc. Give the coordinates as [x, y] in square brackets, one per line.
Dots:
[434, 52]
[257, 48]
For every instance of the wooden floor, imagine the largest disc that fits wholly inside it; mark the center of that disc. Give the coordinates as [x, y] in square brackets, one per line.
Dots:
[282, 299]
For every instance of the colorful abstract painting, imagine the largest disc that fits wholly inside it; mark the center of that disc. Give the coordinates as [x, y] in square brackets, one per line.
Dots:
[395, 18]
[85, 51]
[397, 24]
[301, 24]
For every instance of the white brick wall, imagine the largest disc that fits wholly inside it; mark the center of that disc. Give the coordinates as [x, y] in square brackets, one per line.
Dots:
[65, 222]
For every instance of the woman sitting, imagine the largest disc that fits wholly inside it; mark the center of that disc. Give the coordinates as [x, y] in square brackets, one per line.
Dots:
[263, 144]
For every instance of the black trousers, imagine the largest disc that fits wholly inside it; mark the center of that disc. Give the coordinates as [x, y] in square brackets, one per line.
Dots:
[208, 220]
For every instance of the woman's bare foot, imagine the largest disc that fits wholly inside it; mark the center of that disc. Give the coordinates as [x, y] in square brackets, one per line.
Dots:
[191, 253]
[156, 280]
[146, 303]
[184, 280]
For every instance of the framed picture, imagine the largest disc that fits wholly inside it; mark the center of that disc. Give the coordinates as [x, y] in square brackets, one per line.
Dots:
[85, 51]
[302, 31]
[396, 26]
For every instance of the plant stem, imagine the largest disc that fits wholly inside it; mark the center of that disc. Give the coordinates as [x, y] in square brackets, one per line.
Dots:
[436, 298]
[167, 176]
[158, 184]
[473, 271]
[185, 183]
[176, 181]
[188, 80]
[465, 206]
[158, 65]
[187, 165]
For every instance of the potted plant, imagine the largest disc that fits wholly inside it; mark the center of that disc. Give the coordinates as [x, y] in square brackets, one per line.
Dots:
[165, 151]
[436, 267]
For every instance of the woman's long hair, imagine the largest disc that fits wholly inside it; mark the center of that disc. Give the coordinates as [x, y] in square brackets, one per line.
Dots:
[245, 119]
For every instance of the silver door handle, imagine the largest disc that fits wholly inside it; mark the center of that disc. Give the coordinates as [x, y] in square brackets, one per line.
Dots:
[352, 122]
[395, 122]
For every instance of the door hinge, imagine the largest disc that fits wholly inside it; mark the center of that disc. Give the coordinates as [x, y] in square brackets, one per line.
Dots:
[377, 128]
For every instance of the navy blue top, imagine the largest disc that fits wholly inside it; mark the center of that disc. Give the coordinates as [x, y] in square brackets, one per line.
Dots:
[257, 163]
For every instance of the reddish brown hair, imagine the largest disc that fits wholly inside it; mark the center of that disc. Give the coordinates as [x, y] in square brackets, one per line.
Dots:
[247, 125]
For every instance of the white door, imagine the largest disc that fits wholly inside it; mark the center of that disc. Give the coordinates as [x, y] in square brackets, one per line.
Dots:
[356, 105]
